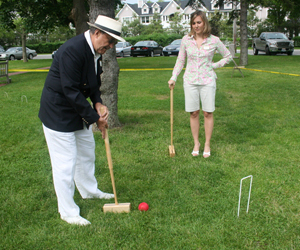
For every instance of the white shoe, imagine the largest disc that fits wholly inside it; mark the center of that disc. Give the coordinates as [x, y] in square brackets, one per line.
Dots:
[106, 196]
[100, 195]
[78, 220]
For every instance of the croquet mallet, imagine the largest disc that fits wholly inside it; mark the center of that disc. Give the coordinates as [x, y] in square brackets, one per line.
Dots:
[116, 207]
[171, 147]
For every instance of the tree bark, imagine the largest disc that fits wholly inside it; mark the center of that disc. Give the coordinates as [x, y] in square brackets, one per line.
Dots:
[110, 75]
[234, 28]
[23, 38]
[244, 34]
[79, 16]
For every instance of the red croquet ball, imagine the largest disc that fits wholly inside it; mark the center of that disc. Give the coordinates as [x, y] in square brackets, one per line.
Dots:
[143, 206]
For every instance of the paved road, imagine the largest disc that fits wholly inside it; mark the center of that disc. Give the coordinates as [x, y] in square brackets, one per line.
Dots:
[43, 56]
[250, 52]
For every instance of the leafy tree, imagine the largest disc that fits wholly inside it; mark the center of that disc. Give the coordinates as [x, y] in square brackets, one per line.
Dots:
[265, 26]
[8, 37]
[285, 15]
[293, 23]
[155, 26]
[225, 27]
[21, 30]
[252, 22]
[134, 28]
[215, 23]
[58, 34]
[40, 16]
[276, 15]
[176, 26]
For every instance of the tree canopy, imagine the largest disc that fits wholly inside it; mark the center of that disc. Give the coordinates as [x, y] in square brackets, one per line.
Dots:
[41, 15]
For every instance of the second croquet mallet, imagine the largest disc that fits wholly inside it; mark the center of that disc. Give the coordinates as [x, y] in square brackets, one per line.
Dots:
[171, 147]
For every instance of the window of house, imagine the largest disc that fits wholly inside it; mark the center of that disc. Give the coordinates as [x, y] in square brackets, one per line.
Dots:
[145, 19]
[213, 3]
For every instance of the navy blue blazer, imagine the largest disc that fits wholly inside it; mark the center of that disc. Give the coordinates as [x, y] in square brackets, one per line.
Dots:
[71, 80]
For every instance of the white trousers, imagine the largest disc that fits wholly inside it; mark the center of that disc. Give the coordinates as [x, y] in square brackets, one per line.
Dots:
[72, 157]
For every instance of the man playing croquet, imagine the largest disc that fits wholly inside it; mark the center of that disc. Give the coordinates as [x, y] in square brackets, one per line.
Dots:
[67, 115]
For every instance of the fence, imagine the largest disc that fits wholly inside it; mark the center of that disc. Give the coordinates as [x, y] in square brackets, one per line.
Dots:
[4, 71]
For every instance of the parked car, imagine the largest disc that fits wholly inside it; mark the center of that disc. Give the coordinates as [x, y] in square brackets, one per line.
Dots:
[146, 48]
[273, 43]
[17, 53]
[2, 55]
[172, 48]
[123, 49]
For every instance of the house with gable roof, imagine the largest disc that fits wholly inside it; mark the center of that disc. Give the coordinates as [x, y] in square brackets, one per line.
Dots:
[165, 10]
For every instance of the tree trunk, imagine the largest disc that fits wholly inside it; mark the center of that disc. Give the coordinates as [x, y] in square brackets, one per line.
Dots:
[79, 16]
[234, 32]
[244, 33]
[110, 75]
[23, 38]
[234, 29]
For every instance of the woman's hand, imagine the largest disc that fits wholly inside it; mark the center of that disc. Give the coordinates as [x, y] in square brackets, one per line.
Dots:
[171, 84]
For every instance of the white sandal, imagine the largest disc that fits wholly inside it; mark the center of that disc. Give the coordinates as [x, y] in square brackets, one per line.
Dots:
[195, 153]
[206, 154]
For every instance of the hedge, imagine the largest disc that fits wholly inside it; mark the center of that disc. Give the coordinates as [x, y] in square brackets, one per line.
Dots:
[297, 41]
[161, 38]
[45, 48]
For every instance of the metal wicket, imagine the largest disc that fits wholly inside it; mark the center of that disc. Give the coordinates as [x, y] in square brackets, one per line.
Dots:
[241, 183]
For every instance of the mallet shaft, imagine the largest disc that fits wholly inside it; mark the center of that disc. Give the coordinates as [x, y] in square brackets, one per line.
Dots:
[110, 166]
[171, 120]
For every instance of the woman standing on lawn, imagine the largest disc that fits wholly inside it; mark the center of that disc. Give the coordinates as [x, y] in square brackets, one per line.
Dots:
[199, 47]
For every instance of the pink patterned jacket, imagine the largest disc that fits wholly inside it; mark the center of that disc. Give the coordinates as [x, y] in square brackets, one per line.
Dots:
[200, 68]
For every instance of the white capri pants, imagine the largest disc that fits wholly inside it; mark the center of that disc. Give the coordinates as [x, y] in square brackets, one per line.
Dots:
[196, 93]
[72, 157]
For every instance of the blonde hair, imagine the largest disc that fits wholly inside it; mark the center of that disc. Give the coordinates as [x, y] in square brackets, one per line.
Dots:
[207, 28]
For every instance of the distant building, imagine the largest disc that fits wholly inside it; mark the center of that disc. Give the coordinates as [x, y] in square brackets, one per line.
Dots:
[145, 11]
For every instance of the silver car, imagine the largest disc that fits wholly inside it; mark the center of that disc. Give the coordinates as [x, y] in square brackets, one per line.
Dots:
[123, 49]
[17, 53]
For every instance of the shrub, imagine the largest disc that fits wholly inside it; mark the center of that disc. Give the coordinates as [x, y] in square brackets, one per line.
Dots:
[297, 41]
[45, 47]
[161, 38]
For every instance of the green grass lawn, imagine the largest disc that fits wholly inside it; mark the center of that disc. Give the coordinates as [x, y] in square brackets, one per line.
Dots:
[193, 201]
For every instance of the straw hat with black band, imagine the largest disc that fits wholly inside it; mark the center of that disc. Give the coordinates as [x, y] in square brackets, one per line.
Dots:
[110, 26]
